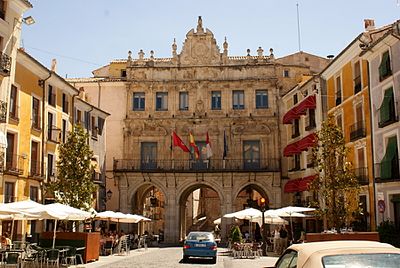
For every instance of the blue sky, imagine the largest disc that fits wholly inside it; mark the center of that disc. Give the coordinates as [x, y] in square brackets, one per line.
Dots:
[86, 34]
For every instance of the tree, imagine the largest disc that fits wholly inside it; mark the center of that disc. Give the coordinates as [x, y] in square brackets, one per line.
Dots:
[336, 185]
[74, 185]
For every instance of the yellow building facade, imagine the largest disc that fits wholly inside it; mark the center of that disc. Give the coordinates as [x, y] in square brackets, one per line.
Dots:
[347, 99]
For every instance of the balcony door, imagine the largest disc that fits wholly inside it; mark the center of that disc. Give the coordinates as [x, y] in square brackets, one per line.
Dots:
[251, 154]
[148, 155]
[35, 165]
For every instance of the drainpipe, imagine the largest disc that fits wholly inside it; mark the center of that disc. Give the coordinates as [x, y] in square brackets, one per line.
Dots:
[372, 150]
[42, 84]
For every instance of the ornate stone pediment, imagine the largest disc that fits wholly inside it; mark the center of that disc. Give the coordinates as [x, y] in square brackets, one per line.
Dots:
[200, 47]
[252, 128]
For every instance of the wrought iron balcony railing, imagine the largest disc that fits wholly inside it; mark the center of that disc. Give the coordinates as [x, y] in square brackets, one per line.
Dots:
[361, 175]
[36, 170]
[387, 171]
[54, 134]
[138, 165]
[3, 111]
[5, 64]
[357, 131]
[14, 164]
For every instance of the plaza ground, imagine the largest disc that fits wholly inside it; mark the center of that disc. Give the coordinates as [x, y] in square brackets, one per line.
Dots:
[171, 257]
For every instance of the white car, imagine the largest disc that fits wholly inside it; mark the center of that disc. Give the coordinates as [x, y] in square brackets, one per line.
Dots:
[340, 254]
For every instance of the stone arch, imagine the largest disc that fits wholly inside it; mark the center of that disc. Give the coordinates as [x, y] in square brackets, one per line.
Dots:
[135, 187]
[186, 188]
[259, 187]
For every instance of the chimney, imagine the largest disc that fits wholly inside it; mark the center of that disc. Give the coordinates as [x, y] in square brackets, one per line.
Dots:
[369, 24]
[53, 65]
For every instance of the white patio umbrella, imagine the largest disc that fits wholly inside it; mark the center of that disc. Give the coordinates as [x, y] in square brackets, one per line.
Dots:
[217, 221]
[245, 214]
[290, 212]
[142, 218]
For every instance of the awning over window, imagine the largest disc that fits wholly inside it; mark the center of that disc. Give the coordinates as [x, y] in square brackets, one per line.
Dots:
[300, 109]
[307, 103]
[389, 161]
[3, 140]
[306, 142]
[298, 185]
[291, 149]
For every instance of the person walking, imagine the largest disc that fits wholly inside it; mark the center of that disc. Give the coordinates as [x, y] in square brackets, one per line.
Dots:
[276, 240]
[283, 234]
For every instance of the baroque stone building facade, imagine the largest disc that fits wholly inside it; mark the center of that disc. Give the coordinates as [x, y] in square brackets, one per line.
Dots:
[201, 90]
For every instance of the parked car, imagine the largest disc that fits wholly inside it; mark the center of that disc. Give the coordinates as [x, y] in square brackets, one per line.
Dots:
[335, 254]
[200, 244]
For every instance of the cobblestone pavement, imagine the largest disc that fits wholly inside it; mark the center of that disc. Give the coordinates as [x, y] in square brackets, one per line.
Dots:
[172, 257]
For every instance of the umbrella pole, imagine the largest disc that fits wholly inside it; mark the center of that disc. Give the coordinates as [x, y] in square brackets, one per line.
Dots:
[291, 227]
[54, 234]
[12, 229]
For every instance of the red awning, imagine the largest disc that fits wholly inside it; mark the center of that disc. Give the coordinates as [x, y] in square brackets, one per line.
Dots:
[303, 183]
[300, 109]
[306, 142]
[307, 103]
[291, 149]
[290, 116]
[291, 186]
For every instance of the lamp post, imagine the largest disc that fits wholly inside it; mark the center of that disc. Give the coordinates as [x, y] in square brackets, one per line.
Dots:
[264, 241]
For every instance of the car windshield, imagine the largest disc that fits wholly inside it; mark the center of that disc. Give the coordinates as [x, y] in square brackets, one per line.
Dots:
[200, 237]
[374, 260]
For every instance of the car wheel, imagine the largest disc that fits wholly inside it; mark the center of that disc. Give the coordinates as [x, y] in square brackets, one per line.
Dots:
[214, 260]
[185, 258]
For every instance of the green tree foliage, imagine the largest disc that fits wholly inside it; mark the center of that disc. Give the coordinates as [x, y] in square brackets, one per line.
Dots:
[336, 185]
[74, 185]
[236, 234]
[388, 233]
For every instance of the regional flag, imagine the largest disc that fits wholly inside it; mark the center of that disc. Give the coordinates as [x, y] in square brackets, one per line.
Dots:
[178, 142]
[208, 147]
[194, 146]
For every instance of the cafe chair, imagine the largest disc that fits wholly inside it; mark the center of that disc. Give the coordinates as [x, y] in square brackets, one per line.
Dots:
[70, 257]
[53, 257]
[108, 247]
[12, 259]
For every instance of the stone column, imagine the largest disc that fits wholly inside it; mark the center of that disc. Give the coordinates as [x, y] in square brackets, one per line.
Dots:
[226, 207]
[172, 230]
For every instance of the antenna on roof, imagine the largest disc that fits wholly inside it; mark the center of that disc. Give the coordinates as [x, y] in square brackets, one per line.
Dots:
[298, 25]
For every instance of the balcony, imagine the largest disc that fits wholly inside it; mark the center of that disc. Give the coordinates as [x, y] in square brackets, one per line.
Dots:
[212, 165]
[357, 131]
[361, 175]
[35, 170]
[14, 164]
[3, 111]
[54, 134]
[387, 171]
[5, 64]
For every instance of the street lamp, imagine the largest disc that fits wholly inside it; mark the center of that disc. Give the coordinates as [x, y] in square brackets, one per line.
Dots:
[109, 194]
[263, 207]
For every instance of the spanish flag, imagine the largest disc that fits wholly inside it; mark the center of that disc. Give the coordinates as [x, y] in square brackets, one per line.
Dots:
[192, 143]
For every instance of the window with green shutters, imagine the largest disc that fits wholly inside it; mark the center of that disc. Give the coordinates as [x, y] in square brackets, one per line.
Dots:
[384, 68]
[387, 113]
[389, 167]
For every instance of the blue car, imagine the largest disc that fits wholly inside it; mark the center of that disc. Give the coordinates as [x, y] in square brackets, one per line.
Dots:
[200, 244]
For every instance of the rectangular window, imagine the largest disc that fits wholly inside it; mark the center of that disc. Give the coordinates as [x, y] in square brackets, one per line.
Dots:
[65, 103]
[310, 162]
[216, 100]
[50, 126]
[13, 103]
[35, 164]
[101, 122]
[285, 73]
[387, 111]
[261, 99]
[9, 192]
[357, 77]
[295, 99]
[251, 154]
[36, 113]
[94, 127]
[295, 128]
[148, 155]
[50, 166]
[238, 99]
[123, 73]
[51, 97]
[338, 91]
[78, 119]
[183, 101]
[162, 101]
[311, 119]
[296, 162]
[139, 101]
[87, 120]
[11, 157]
[34, 193]
[64, 130]
[385, 69]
